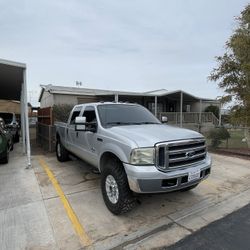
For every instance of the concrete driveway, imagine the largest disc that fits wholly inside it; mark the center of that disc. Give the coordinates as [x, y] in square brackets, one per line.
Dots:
[59, 206]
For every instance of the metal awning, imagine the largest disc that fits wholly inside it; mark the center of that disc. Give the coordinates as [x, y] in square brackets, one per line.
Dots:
[13, 86]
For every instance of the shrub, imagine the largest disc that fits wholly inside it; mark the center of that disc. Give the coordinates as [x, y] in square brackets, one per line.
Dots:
[217, 135]
[214, 109]
[61, 112]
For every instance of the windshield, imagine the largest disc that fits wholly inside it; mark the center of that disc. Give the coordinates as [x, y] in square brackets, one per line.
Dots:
[8, 117]
[122, 114]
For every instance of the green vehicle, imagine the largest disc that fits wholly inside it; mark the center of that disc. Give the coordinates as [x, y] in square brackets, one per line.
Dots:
[6, 142]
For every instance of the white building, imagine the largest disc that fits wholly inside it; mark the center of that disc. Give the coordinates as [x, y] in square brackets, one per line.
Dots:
[166, 101]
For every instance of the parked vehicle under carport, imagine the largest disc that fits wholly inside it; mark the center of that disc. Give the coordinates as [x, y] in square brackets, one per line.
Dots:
[12, 124]
[6, 142]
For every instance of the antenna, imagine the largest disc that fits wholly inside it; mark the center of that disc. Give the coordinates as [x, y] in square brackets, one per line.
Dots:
[78, 83]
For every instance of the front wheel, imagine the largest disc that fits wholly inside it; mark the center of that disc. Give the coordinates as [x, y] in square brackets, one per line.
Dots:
[62, 153]
[115, 189]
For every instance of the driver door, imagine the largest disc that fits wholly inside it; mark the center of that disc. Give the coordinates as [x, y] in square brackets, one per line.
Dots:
[86, 140]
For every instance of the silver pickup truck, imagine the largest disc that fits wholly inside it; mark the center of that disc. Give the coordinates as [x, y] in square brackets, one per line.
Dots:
[133, 151]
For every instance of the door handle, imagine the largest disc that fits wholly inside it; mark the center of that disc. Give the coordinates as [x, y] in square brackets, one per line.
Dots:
[67, 131]
[76, 134]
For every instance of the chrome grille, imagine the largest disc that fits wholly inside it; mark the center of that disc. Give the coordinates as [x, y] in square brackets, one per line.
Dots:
[177, 154]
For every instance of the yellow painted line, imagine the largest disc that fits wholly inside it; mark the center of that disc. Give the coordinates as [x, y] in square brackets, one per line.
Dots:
[84, 238]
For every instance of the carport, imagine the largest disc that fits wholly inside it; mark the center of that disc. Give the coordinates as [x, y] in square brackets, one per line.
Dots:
[14, 87]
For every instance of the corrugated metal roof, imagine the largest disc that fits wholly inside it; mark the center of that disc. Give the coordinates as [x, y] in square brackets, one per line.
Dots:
[102, 92]
[157, 92]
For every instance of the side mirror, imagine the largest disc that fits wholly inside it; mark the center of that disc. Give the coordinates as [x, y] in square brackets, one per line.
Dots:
[80, 122]
[164, 119]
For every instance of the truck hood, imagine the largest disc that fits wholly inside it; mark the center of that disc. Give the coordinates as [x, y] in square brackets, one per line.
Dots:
[147, 135]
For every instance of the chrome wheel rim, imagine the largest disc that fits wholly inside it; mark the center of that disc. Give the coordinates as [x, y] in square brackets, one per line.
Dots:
[112, 189]
[59, 149]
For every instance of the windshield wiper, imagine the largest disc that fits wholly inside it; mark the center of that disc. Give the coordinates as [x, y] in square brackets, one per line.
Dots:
[120, 123]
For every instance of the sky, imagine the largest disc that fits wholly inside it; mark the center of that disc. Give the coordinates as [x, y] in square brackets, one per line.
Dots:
[129, 45]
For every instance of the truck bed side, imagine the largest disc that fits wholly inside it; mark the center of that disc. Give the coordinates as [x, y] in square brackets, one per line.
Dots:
[61, 131]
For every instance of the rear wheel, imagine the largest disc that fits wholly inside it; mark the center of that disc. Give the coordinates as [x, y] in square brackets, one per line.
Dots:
[62, 153]
[11, 144]
[5, 159]
[17, 137]
[115, 189]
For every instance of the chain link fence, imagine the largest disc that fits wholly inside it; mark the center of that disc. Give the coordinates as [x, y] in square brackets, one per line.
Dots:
[237, 144]
[45, 136]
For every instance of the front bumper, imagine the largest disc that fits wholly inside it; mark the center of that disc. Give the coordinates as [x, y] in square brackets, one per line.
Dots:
[148, 179]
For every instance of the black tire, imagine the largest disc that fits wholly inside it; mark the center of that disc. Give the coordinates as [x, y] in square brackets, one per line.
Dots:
[5, 159]
[62, 153]
[17, 137]
[189, 188]
[125, 200]
[11, 145]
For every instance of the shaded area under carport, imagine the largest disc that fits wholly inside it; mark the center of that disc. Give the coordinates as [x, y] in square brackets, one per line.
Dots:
[14, 87]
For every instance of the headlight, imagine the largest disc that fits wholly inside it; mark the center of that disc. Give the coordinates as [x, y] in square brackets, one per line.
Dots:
[142, 156]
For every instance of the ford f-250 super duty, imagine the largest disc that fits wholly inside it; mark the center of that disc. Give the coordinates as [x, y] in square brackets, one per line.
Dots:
[133, 151]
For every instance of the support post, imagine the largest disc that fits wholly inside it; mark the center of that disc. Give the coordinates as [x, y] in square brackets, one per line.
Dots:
[116, 98]
[200, 111]
[22, 120]
[50, 138]
[220, 114]
[26, 118]
[155, 106]
[181, 106]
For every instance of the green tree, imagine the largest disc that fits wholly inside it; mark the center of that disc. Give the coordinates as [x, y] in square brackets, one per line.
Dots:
[214, 109]
[233, 70]
[217, 135]
[61, 112]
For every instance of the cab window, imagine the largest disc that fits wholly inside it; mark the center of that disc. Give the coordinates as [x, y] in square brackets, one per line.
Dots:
[89, 113]
[75, 113]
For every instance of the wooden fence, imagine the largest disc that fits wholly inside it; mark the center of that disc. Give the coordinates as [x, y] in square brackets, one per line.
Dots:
[45, 116]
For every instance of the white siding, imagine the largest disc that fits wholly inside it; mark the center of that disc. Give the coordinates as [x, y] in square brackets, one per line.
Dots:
[47, 100]
[65, 99]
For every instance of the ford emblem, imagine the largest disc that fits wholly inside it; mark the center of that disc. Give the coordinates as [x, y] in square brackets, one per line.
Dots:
[190, 154]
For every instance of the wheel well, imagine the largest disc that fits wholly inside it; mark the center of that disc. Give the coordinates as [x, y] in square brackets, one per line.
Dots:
[107, 156]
